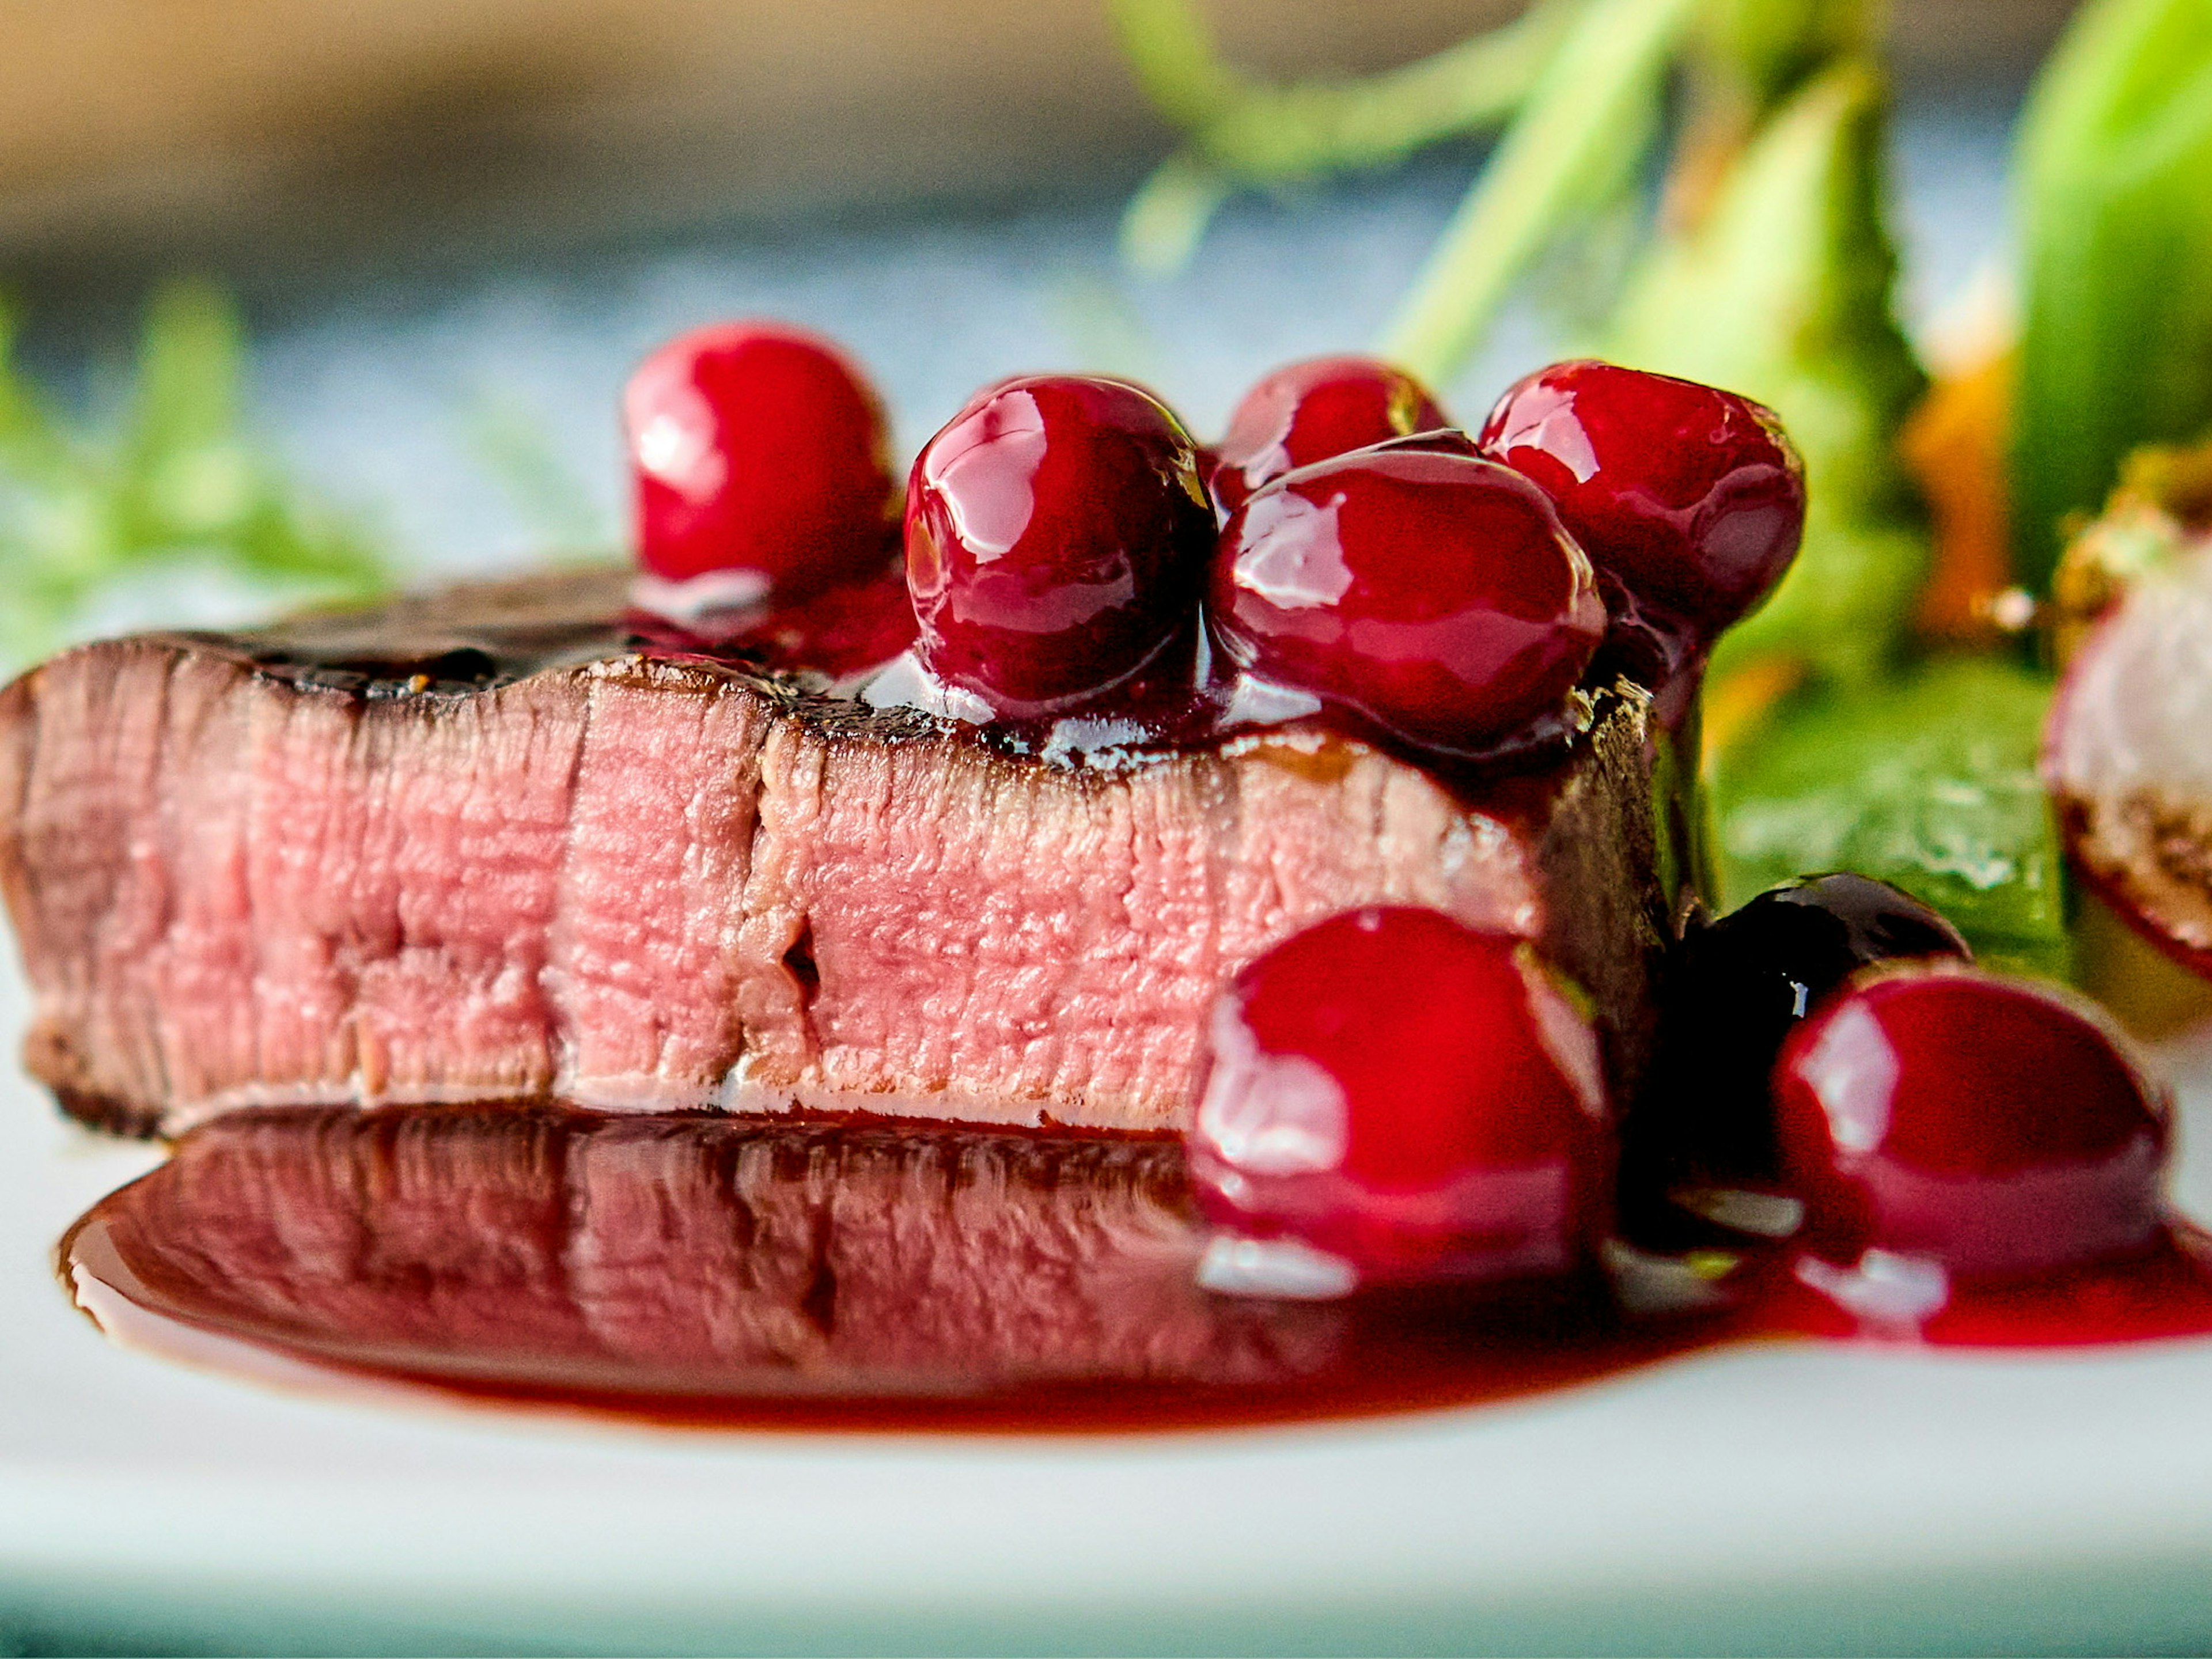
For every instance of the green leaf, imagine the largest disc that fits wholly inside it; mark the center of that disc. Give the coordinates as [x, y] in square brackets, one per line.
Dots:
[1782, 292]
[1928, 783]
[178, 489]
[1559, 156]
[2115, 179]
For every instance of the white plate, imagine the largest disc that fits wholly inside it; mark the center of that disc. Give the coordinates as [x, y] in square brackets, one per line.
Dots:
[1775, 1499]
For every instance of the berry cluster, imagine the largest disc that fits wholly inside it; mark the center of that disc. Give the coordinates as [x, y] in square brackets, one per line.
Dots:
[1064, 534]
[1417, 1101]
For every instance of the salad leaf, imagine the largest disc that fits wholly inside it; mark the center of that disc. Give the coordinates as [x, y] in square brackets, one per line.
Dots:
[1928, 783]
[171, 488]
[2115, 181]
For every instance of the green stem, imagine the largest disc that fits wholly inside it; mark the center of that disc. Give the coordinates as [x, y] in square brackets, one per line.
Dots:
[1166, 218]
[1245, 132]
[1267, 135]
[1593, 89]
[1174, 54]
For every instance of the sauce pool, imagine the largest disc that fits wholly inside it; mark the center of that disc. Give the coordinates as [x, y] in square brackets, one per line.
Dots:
[855, 1274]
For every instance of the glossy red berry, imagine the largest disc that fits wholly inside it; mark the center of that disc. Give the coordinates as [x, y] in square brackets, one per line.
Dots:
[1056, 537]
[1308, 411]
[1692, 498]
[761, 458]
[1433, 593]
[1993, 1126]
[1407, 1096]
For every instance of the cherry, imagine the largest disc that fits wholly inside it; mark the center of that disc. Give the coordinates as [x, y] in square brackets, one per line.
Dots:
[1308, 411]
[761, 458]
[1056, 535]
[1692, 497]
[1992, 1125]
[1414, 1099]
[1433, 594]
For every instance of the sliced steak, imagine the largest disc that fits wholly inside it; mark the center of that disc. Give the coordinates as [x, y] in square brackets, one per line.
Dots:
[475, 847]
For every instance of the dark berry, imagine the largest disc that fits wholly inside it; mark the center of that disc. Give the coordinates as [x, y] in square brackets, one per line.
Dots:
[1692, 497]
[1734, 991]
[1056, 537]
[1408, 1096]
[1433, 594]
[760, 456]
[1308, 411]
[1993, 1126]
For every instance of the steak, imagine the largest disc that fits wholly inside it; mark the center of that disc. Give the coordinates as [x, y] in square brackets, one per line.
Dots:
[482, 845]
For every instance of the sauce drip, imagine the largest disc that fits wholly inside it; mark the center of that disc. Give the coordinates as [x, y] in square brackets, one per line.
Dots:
[717, 1272]
[854, 641]
[833, 635]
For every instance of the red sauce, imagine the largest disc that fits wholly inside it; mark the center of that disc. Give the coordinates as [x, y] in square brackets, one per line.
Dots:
[855, 1274]
[836, 634]
[2165, 1292]
[1185, 698]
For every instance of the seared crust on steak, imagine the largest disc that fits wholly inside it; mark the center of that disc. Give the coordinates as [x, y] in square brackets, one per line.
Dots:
[474, 846]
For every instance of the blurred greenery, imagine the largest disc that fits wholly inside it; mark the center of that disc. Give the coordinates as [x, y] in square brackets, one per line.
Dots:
[168, 484]
[1244, 133]
[1781, 290]
[1754, 53]
[1575, 145]
[2115, 191]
